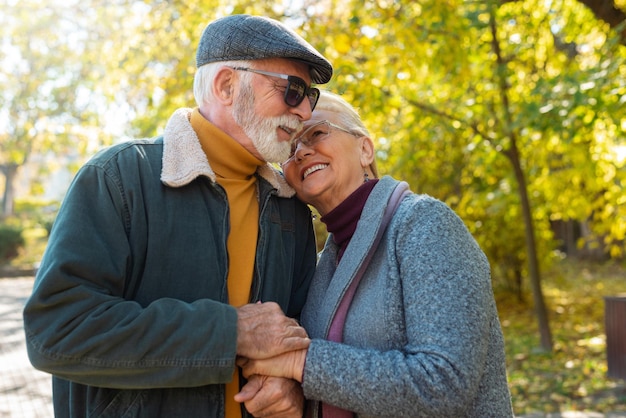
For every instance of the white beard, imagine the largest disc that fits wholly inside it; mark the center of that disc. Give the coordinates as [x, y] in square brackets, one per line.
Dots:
[262, 130]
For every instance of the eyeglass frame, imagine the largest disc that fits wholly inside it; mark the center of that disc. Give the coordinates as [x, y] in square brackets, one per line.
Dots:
[290, 79]
[298, 140]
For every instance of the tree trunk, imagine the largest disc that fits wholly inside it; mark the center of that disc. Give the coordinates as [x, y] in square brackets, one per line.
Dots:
[512, 154]
[531, 249]
[10, 172]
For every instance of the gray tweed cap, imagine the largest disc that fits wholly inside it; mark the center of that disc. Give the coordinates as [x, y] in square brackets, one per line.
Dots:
[245, 37]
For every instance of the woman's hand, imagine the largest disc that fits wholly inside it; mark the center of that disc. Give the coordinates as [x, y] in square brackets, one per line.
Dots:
[289, 365]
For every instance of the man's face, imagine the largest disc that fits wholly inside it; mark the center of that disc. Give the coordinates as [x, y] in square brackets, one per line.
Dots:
[263, 130]
[261, 112]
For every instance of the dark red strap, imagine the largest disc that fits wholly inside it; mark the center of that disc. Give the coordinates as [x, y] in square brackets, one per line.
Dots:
[335, 333]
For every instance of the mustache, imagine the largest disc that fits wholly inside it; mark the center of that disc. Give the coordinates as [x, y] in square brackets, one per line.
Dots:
[291, 124]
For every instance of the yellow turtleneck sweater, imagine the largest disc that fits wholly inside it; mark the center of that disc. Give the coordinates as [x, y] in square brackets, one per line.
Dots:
[234, 167]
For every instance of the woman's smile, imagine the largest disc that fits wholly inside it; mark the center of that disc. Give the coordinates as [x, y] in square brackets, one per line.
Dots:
[313, 169]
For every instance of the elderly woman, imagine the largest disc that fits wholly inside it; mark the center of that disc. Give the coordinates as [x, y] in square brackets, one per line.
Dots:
[420, 335]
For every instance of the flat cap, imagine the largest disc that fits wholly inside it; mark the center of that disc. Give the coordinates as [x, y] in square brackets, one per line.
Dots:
[245, 37]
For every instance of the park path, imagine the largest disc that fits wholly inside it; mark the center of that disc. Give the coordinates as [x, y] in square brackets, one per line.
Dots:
[24, 391]
[27, 393]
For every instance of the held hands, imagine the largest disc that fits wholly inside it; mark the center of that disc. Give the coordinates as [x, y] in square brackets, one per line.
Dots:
[263, 331]
[289, 365]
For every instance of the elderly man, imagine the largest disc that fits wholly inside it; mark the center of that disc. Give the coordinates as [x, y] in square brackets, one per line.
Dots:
[172, 256]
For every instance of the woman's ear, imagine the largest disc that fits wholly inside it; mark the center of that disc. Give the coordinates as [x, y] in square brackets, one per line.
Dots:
[367, 151]
[223, 85]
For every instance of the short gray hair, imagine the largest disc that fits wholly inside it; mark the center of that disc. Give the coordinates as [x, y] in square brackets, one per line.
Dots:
[203, 79]
[347, 117]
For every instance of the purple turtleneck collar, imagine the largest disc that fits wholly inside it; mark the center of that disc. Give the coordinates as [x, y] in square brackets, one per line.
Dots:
[342, 220]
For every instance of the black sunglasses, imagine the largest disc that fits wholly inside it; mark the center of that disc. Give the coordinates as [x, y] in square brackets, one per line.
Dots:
[296, 89]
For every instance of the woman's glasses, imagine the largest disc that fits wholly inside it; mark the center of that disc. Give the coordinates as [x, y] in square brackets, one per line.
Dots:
[296, 89]
[314, 134]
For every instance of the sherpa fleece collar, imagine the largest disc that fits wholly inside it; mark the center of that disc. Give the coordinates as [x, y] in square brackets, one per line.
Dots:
[184, 159]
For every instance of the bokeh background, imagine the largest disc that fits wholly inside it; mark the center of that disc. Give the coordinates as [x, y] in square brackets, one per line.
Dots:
[511, 112]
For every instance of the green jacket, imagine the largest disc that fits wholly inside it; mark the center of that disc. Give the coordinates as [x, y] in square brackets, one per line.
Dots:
[129, 310]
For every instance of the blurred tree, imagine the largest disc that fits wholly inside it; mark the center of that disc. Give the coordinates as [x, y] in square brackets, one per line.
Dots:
[451, 88]
[510, 111]
[50, 64]
[607, 11]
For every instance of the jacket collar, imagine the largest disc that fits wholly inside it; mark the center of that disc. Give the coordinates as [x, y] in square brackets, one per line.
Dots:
[184, 160]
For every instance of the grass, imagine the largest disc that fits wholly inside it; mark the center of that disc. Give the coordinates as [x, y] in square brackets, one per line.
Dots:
[574, 376]
[29, 256]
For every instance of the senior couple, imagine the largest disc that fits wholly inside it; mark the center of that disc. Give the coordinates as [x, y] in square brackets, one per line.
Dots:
[181, 276]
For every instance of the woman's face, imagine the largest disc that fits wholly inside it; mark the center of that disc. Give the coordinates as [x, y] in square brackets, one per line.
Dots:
[328, 163]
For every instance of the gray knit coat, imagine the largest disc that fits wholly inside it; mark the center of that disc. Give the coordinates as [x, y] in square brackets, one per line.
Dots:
[422, 337]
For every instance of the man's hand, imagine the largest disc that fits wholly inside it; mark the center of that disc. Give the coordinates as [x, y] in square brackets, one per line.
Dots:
[272, 397]
[289, 365]
[264, 331]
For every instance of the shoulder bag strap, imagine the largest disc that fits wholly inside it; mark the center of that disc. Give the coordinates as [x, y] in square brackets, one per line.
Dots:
[335, 333]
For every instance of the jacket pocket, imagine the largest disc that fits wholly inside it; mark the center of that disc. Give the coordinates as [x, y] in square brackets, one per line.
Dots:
[203, 401]
[111, 403]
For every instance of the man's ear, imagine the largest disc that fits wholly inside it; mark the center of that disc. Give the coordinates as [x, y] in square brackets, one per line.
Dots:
[224, 85]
